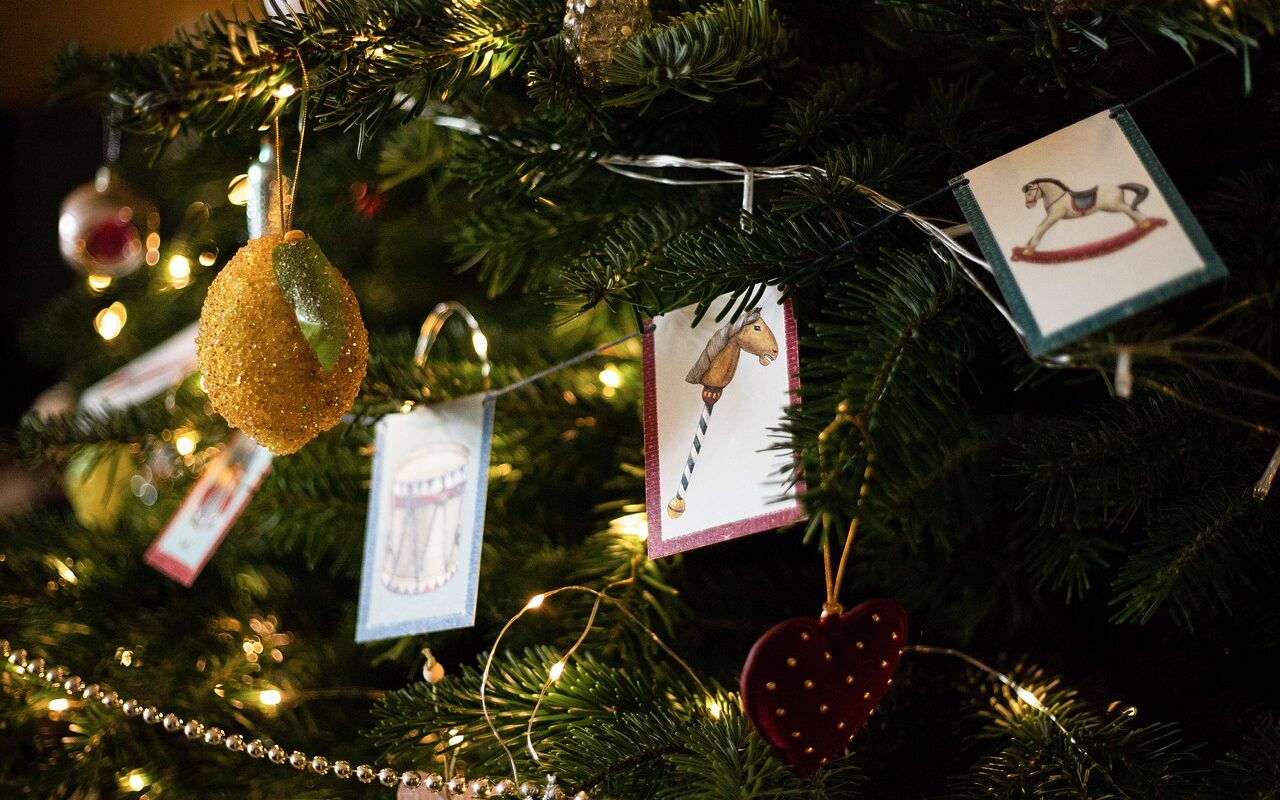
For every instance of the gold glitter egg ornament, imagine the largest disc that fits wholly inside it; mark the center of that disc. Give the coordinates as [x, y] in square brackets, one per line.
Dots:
[281, 343]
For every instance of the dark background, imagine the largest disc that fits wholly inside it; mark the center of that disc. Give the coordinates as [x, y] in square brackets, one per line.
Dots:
[47, 150]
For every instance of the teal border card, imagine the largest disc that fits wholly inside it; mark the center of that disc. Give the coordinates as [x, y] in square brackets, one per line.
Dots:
[1037, 343]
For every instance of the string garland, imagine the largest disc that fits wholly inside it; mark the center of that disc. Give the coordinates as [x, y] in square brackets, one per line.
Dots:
[59, 678]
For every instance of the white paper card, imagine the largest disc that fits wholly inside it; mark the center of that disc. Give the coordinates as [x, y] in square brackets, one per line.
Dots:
[1082, 228]
[210, 509]
[714, 396]
[153, 372]
[426, 519]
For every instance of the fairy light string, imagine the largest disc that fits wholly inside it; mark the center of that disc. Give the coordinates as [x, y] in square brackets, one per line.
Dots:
[558, 667]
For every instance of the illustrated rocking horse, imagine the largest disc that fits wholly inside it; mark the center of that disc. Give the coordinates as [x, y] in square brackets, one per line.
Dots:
[1060, 203]
[714, 369]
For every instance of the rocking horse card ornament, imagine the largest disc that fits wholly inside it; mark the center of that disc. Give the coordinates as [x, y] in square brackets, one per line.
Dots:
[714, 396]
[1083, 228]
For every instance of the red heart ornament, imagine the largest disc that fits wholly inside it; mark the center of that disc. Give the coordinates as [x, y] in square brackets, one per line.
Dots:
[809, 685]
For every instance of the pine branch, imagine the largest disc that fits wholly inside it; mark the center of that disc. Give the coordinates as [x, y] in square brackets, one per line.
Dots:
[827, 112]
[697, 55]
[1099, 757]
[367, 63]
[1201, 552]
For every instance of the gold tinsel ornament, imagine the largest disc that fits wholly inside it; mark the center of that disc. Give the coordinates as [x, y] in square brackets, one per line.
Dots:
[281, 344]
[593, 28]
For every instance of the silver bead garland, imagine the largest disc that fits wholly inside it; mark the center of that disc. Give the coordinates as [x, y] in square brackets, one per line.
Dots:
[458, 785]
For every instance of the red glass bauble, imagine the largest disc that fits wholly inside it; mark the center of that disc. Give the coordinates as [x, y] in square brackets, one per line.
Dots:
[112, 241]
[104, 225]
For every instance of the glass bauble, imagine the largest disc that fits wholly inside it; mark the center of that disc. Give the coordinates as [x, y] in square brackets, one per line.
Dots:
[104, 226]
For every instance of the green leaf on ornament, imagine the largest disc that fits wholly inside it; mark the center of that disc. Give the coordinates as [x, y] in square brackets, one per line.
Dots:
[307, 279]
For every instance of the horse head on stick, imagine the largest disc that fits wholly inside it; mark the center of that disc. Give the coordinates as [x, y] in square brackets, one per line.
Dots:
[714, 369]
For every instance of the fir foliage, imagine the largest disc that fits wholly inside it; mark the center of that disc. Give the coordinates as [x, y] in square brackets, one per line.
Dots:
[1011, 507]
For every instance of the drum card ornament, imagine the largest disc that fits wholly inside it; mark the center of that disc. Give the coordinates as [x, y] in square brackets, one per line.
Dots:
[810, 685]
[711, 481]
[426, 519]
[1084, 228]
[212, 506]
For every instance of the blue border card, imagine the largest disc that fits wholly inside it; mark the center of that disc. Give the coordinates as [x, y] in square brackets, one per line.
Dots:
[1084, 228]
[426, 519]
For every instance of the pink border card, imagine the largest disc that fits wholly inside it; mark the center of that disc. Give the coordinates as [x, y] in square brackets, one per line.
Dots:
[210, 509]
[714, 394]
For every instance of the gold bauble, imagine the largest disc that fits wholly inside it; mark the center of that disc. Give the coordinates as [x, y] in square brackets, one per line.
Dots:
[260, 373]
[96, 482]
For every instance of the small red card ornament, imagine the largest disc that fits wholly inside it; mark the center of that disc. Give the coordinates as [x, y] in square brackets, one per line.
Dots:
[809, 685]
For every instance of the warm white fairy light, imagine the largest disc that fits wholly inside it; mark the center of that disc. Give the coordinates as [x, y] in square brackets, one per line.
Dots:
[634, 524]
[110, 321]
[535, 601]
[610, 377]
[238, 190]
[270, 697]
[714, 708]
[285, 91]
[59, 704]
[179, 269]
[455, 738]
[406, 406]
[136, 782]
[481, 344]
[185, 442]
[1026, 696]
[64, 570]
[557, 669]
[99, 283]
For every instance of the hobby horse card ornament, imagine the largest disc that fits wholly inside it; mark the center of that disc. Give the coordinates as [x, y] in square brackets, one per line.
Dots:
[744, 371]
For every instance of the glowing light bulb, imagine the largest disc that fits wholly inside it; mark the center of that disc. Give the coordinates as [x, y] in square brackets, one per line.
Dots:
[557, 669]
[136, 783]
[270, 697]
[238, 190]
[610, 377]
[406, 406]
[99, 283]
[59, 704]
[285, 90]
[179, 269]
[713, 708]
[535, 601]
[1030, 699]
[64, 569]
[481, 344]
[110, 321]
[185, 443]
[636, 524]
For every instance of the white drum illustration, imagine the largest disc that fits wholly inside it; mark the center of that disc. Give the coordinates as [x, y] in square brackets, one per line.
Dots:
[426, 509]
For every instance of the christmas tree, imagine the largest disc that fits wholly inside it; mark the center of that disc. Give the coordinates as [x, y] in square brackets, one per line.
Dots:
[1083, 541]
